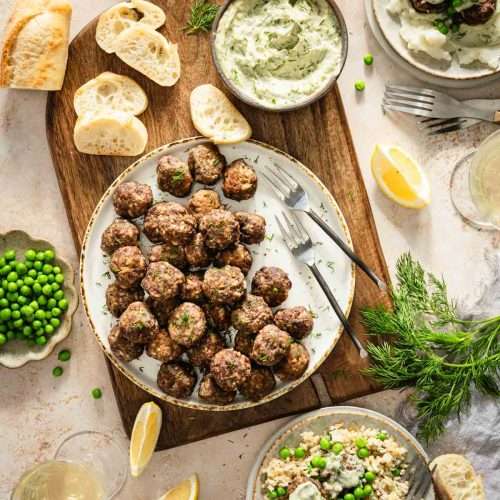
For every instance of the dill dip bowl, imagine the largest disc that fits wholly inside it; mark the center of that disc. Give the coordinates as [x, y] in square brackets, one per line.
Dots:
[279, 55]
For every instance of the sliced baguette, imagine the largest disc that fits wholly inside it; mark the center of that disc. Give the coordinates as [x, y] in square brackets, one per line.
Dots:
[114, 133]
[124, 15]
[150, 53]
[455, 479]
[215, 116]
[112, 92]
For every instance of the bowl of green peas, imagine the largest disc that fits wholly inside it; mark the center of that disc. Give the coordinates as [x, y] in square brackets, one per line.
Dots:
[37, 299]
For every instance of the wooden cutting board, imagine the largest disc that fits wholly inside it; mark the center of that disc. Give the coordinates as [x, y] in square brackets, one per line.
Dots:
[318, 136]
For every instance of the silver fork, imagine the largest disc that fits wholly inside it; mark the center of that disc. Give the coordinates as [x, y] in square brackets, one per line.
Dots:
[420, 479]
[433, 104]
[295, 198]
[299, 243]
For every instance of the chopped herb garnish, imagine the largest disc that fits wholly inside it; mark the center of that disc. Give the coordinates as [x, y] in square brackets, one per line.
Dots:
[201, 17]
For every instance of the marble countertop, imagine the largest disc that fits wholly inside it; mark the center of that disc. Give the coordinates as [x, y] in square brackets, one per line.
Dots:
[37, 411]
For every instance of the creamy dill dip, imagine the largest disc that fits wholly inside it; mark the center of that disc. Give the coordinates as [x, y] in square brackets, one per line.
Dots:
[279, 52]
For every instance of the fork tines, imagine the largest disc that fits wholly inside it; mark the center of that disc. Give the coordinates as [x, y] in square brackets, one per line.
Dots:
[408, 99]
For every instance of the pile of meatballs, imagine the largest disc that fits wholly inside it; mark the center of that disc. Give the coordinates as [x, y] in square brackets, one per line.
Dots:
[185, 303]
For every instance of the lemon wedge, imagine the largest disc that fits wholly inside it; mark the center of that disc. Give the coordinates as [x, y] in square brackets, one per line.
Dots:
[185, 490]
[400, 177]
[145, 434]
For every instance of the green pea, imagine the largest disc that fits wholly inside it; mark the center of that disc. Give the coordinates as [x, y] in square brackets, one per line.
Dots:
[15, 306]
[64, 355]
[3, 339]
[27, 311]
[272, 494]
[47, 290]
[42, 279]
[284, 453]
[25, 290]
[5, 284]
[299, 453]
[280, 491]
[39, 332]
[9, 255]
[34, 305]
[12, 276]
[18, 323]
[3, 328]
[318, 462]
[56, 312]
[32, 273]
[51, 303]
[41, 340]
[57, 371]
[5, 270]
[55, 287]
[55, 322]
[16, 314]
[59, 295]
[49, 255]
[4, 303]
[59, 278]
[21, 268]
[443, 29]
[49, 329]
[10, 335]
[359, 85]
[368, 59]
[30, 254]
[40, 314]
[382, 436]
[337, 448]
[363, 453]
[42, 300]
[5, 314]
[367, 490]
[396, 472]
[37, 324]
[12, 287]
[361, 442]
[47, 268]
[325, 444]
[358, 492]
[96, 393]
[40, 256]
[370, 476]
[38, 265]
[50, 278]
[37, 289]
[63, 304]
[349, 496]
[27, 331]
[12, 296]
[2, 262]
[2, 293]
[28, 281]
[48, 315]
[457, 3]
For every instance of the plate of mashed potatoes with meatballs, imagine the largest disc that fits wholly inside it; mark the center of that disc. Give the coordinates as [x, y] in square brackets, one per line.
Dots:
[189, 288]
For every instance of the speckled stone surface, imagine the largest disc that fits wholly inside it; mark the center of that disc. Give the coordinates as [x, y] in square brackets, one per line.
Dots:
[37, 411]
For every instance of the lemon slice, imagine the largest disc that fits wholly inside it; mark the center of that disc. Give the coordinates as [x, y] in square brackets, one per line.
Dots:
[145, 434]
[185, 490]
[400, 177]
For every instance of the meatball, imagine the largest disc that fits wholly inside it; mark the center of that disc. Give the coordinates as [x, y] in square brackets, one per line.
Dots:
[153, 219]
[479, 13]
[260, 383]
[197, 254]
[173, 176]
[138, 323]
[176, 379]
[187, 324]
[240, 181]
[192, 288]
[297, 321]
[218, 316]
[251, 315]
[163, 281]
[271, 346]
[120, 233]
[203, 201]
[132, 199]
[272, 284]
[162, 310]
[163, 348]
[220, 229]
[225, 285]
[173, 254]
[425, 7]
[210, 392]
[237, 255]
[252, 227]
[122, 347]
[244, 343]
[294, 364]
[202, 353]
[206, 163]
[129, 266]
[177, 226]
[230, 369]
[118, 299]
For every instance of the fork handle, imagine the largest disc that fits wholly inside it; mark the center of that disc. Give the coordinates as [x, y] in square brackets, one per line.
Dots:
[338, 311]
[345, 248]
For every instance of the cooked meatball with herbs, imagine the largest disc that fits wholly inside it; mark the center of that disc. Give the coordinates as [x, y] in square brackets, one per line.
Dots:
[178, 226]
[237, 255]
[166, 252]
[252, 315]
[252, 227]
[129, 266]
[225, 285]
[271, 346]
[220, 229]
[120, 233]
[152, 221]
[204, 201]
[294, 364]
[297, 321]
[187, 324]
[240, 181]
[218, 316]
[122, 347]
[177, 379]
[197, 254]
[479, 13]
[132, 200]
[163, 281]
[244, 343]
[163, 348]
[162, 310]
[273, 284]
[230, 369]
[206, 163]
[425, 7]
[174, 176]
[202, 353]
[259, 384]
[192, 288]
[118, 299]
[210, 392]
[138, 323]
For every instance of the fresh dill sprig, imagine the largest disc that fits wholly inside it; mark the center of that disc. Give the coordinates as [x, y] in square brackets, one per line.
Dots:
[431, 349]
[202, 16]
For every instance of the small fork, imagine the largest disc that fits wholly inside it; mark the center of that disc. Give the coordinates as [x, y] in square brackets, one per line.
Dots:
[420, 479]
[299, 243]
[295, 198]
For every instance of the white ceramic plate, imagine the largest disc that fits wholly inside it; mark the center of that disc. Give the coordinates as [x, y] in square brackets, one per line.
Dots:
[337, 269]
[318, 422]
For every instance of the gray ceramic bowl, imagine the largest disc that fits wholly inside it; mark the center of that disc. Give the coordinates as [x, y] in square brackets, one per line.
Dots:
[291, 107]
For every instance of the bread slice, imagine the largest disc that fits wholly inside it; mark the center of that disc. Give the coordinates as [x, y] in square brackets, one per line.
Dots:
[110, 91]
[215, 116]
[35, 48]
[455, 479]
[124, 15]
[150, 53]
[113, 133]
